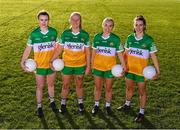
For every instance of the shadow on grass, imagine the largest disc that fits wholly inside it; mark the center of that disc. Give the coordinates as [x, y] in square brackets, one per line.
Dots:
[89, 117]
[44, 123]
[71, 121]
[144, 124]
[61, 125]
[147, 124]
[106, 119]
[113, 115]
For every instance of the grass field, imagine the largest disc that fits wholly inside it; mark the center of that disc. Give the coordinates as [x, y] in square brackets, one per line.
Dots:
[17, 89]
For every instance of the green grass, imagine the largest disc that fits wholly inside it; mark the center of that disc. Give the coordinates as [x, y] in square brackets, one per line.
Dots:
[17, 89]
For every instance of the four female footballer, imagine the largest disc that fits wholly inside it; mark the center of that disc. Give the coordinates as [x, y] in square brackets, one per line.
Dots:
[74, 44]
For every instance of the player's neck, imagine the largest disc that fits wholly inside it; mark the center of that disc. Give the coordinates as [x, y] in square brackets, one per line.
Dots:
[139, 35]
[105, 35]
[75, 30]
[44, 29]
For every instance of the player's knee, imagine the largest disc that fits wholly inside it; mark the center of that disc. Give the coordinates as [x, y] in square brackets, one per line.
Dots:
[142, 92]
[79, 86]
[97, 89]
[130, 88]
[79, 78]
[108, 90]
[40, 86]
[65, 86]
[50, 85]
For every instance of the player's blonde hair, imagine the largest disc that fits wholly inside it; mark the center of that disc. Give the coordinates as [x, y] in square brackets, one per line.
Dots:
[77, 14]
[107, 19]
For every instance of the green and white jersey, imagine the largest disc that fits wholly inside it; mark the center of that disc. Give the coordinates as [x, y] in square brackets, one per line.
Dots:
[74, 47]
[138, 52]
[43, 45]
[106, 49]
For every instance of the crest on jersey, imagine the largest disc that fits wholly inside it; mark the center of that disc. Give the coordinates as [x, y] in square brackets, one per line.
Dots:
[52, 38]
[82, 40]
[143, 46]
[111, 43]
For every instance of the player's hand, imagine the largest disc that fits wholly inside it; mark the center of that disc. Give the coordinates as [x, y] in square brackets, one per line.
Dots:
[24, 68]
[122, 74]
[124, 68]
[51, 66]
[156, 76]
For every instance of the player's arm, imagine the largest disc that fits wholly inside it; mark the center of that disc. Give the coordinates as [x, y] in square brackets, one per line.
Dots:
[156, 64]
[25, 56]
[88, 60]
[121, 58]
[120, 50]
[92, 57]
[125, 53]
[57, 52]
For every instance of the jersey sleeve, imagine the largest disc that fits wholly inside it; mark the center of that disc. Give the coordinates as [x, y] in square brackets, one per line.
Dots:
[87, 41]
[61, 40]
[29, 41]
[152, 47]
[56, 36]
[126, 45]
[94, 45]
[119, 47]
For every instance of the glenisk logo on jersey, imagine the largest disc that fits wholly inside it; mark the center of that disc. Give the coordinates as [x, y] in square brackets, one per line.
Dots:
[108, 51]
[73, 46]
[45, 46]
[141, 53]
[104, 50]
[137, 52]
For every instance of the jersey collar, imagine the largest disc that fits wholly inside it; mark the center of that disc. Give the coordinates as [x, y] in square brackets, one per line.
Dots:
[105, 38]
[138, 39]
[75, 33]
[44, 33]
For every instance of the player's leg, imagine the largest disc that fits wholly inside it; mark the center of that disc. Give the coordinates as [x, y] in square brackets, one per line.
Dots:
[130, 84]
[79, 91]
[142, 100]
[78, 77]
[40, 82]
[108, 93]
[65, 91]
[50, 82]
[97, 92]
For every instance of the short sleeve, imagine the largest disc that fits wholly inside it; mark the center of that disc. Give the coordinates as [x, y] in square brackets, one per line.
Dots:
[61, 39]
[56, 36]
[119, 47]
[126, 45]
[152, 48]
[94, 44]
[87, 41]
[29, 41]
